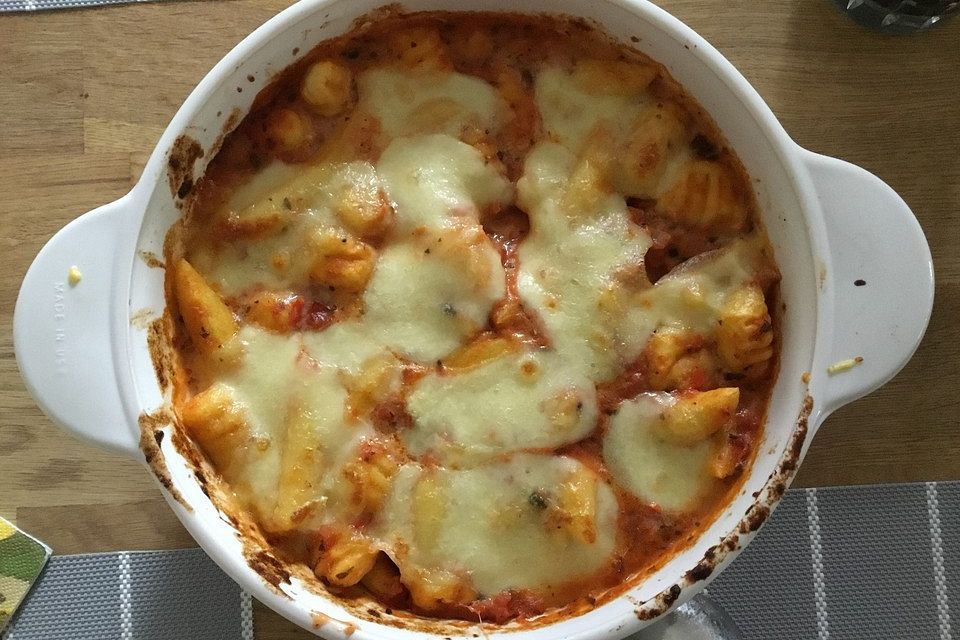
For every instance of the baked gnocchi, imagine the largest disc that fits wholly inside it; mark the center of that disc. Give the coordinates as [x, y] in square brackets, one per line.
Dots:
[467, 294]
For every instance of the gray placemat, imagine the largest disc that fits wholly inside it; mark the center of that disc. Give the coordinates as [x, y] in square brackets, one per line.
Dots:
[853, 563]
[16, 6]
[143, 595]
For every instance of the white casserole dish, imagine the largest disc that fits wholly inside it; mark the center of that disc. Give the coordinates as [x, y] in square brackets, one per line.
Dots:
[83, 350]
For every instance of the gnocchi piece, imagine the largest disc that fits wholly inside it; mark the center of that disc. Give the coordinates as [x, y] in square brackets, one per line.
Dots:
[429, 511]
[208, 320]
[575, 510]
[289, 130]
[728, 454]
[523, 119]
[383, 580]
[745, 332]
[421, 48]
[342, 262]
[589, 184]
[365, 213]
[697, 416]
[214, 420]
[614, 77]
[467, 249]
[697, 371]
[485, 349]
[355, 139]
[370, 478]
[255, 226]
[327, 87]
[378, 379]
[563, 410]
[301, 466]
[347, 561]
[677, 360]
[651, 143]
[274, 310]
[486, 144]
[430, 590]
[706, 195]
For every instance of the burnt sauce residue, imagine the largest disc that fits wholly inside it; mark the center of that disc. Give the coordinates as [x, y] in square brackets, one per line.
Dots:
[152, 260]
[151, 438]
[161, 351]
[184, 154]
[268, 567]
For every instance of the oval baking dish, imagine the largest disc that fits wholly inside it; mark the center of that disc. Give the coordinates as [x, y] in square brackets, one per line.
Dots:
[830, 224]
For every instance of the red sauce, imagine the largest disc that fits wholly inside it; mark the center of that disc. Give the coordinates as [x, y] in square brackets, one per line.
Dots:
[507, 229]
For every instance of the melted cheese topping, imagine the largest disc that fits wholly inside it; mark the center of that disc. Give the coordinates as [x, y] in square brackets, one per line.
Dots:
[425, 299]
[409, 103]
[269, 368]
[256, 193]
[571, 110]
[689, 298]
[435, 286]
[481, 523]
[266, 370]
[289, 206]
[345, 345]
[576, 104]
[572, 260]
[524, 400]
[436, 181]
[647, 465]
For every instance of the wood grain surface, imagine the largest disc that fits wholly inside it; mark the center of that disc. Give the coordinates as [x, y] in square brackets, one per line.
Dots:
[85, 95]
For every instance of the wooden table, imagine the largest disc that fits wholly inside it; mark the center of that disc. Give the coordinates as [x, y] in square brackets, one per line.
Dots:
[84, 96]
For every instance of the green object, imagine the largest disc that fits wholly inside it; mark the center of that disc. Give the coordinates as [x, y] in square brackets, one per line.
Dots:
[22, 559]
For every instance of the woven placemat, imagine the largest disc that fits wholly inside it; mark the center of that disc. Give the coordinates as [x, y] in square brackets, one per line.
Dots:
[16, 6]
[873, 562]
[855, 563]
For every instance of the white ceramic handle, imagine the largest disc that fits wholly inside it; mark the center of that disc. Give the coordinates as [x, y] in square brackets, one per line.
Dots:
[882, 277]
[63, 333]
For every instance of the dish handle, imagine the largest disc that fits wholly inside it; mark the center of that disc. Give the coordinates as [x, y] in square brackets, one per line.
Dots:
[64, 333]
[882, 278]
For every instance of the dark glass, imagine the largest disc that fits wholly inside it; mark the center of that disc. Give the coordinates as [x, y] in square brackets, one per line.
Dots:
[700, 619]
[899, 16]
